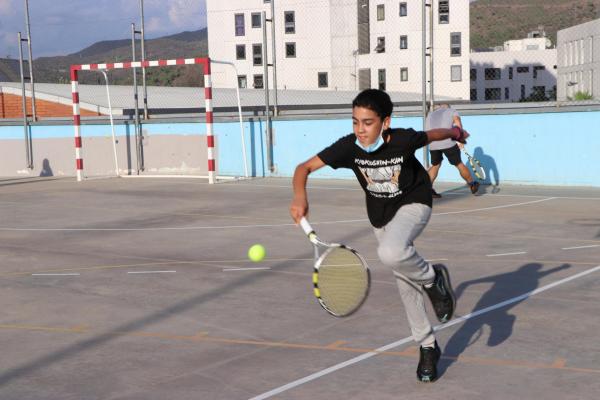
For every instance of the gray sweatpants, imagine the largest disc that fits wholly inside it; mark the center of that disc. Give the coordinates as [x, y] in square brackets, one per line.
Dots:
[397, 251]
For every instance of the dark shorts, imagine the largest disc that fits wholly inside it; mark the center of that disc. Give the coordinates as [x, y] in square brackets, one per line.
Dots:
[452, 154]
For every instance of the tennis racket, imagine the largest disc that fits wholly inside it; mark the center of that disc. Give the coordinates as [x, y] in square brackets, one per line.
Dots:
[475, 165]
[341, 277]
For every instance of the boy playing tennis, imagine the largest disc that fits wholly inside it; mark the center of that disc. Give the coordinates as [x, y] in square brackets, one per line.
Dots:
[398, 193]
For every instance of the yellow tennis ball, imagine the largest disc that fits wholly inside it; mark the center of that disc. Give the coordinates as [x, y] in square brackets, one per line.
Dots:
[256, 252]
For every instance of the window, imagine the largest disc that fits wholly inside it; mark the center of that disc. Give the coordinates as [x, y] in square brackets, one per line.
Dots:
[289, 18]
[522, 91]
[240, 29]
[456, 73]
[242, 81]
[256, 20]
[258, 82]
[380, 45]
[403, 74]
[322, 79]
[492, 74]
[506, 93]
[364, 78]
[404, 42]
[510, 72]
[240, 52]
[473, 74]
[493, 94]
[266, 1]
[381, 79]
[403, 10]
[538, 93]
[290, 50]
[455, 45]
[364, 37]
[380, 12]
[444, 11]
[522, 70]
[257, 54]
[537, 68]
[473, 94]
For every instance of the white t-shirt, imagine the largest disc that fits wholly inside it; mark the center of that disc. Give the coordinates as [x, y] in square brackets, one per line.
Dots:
[441, 118]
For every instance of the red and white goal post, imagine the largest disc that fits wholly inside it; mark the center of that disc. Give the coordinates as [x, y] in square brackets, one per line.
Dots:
[205, 62]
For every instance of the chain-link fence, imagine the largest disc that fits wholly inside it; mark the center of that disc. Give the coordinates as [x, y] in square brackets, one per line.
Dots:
[481, 51]
[318, 53]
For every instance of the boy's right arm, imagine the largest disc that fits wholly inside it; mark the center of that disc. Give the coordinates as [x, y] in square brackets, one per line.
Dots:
[299, 205]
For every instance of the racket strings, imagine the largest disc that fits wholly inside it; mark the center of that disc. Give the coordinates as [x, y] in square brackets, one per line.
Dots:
[343, 281]
[477, 169]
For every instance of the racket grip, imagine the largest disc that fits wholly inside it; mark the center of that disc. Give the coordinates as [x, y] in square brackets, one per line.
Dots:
[306, 226]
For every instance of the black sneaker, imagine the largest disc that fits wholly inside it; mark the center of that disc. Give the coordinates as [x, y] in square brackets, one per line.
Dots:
[435, 194]
[474, 186]
[427, 369]
[441, 294]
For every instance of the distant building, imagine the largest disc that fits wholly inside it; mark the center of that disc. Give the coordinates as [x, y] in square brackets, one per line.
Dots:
[340, 44]
[520, 70]
[579, 60]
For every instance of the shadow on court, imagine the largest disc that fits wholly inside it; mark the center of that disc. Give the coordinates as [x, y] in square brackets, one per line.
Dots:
[492, 175]
[500, 322]
[29, 180]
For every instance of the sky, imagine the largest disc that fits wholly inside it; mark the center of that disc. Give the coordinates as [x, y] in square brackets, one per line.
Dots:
[61, 27]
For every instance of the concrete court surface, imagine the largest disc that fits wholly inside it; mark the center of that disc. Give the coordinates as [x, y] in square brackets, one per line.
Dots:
[141, 289]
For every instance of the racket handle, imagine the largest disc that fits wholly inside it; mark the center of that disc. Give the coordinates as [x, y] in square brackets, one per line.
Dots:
[306, 226]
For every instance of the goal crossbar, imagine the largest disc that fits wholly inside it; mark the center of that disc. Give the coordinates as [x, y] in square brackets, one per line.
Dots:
[204, 61]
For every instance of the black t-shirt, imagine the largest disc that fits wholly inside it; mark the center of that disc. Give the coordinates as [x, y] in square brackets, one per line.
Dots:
[391, 176]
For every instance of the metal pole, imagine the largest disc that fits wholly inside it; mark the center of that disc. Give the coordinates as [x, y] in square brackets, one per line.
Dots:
[239, 103]
[112, 123]
[144, 59]
[24, 107]
[266, 87]
[33, 110]
[424, 78]
[136, 110]
[274, 62]
[431, 56]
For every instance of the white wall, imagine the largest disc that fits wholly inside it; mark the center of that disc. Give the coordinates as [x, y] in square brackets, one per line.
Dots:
[326, 37]
[579, 60]
[507, 59]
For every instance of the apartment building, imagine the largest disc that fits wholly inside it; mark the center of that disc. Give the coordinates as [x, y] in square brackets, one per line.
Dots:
[523, 69]
[340, 44]
[579, 60]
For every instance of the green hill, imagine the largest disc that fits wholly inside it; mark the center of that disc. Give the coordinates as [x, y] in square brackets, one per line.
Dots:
[181, 45]
[495, 21]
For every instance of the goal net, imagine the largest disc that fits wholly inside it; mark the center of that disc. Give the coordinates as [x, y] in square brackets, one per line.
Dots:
[130, 144]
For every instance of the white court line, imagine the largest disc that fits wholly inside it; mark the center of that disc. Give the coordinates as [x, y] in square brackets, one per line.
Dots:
[581, 247]
[440, 327]
[151, 272]
[245, 269]
[191, 228]
[523, 195]
[506, 254]
[69, 274]
[495, 207]
[461, 191]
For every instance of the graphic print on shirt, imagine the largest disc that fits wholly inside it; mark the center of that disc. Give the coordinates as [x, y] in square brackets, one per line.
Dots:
[382, 176]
